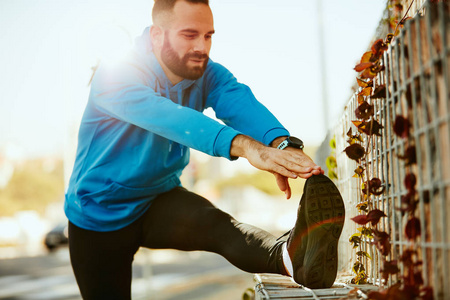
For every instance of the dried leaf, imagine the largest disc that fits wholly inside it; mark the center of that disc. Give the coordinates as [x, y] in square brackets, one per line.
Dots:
[371, 127]
[364, 111]
[367, 57]
[361, 99]
[410, 156]
[426, 293]
[412, 228]
[389, 268]
[389, 38]
[375, 187]
[363, 253]
[365, 91]
[355, 151]
[363, 83]
[410, 182]
[362, 206]
[378, 47]
[366, 232]
[379, 92]
[362, 66]
[355, 239]
[382, 242]
[358, 267]
[401, 127]
[359, 172]
[407, 257]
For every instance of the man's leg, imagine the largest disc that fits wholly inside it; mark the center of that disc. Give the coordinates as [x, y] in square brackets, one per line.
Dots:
[102, 261]
[183, 220]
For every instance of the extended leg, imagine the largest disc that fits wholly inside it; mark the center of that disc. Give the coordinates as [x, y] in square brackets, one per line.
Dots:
[183, 220]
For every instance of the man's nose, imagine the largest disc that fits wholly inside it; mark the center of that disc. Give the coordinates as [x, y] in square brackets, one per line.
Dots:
[201, 45]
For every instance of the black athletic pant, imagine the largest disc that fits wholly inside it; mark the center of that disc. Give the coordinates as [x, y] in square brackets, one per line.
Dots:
[178, 219]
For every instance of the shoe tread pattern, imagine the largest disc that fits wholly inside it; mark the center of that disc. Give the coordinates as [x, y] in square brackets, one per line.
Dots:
[325, 214]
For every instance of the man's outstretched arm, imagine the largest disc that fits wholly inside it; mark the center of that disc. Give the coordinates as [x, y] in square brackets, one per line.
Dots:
[284, 164]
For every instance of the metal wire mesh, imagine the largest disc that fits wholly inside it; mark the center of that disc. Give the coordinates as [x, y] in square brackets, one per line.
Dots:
[417, 74]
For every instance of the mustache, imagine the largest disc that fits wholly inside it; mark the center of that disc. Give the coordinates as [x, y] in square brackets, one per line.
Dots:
[197, 55]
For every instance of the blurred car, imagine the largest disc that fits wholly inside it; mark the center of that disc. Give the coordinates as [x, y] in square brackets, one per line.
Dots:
[58, 236]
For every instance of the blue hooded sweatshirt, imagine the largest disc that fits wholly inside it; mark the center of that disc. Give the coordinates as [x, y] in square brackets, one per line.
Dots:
[137, 129]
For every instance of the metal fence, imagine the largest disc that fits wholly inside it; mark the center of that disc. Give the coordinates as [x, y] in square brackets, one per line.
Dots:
[417, 78]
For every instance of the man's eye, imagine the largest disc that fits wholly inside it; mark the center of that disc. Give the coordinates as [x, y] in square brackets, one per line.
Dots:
[189, 36]
[208, 37]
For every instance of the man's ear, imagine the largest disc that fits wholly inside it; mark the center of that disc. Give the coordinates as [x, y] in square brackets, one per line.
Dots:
[157, 36]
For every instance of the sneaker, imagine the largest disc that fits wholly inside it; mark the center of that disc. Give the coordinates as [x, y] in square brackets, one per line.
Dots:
[313, 242]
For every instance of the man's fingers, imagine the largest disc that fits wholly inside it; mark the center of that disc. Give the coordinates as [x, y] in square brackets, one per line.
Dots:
[283, 184]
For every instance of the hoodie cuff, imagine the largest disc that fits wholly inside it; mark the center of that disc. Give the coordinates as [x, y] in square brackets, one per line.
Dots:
[273, 134]
[222, 144]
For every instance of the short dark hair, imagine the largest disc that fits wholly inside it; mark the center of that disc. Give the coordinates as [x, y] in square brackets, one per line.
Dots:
[161, 6]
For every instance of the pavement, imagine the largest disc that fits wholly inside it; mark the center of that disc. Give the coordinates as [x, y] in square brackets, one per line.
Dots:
[157, 275]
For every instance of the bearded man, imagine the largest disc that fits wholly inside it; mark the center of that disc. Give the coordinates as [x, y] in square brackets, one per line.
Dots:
[142, 117]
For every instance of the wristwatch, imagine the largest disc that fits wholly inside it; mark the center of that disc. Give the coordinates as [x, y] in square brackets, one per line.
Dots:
[291, 141]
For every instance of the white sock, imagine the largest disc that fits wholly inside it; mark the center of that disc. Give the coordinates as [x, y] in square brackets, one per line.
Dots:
[287, 260]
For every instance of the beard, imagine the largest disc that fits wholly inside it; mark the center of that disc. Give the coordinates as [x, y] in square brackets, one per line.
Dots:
[179, 66]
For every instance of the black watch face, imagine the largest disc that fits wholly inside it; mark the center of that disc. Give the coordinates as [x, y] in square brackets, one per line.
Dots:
[296, 141]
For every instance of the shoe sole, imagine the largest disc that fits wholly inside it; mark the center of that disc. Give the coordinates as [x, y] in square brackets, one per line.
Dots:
[325, 216]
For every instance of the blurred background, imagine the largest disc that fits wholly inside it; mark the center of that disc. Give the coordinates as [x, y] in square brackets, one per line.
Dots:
[297, 57]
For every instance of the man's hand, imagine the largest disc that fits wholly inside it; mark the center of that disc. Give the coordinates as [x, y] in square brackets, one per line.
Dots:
[284, 164]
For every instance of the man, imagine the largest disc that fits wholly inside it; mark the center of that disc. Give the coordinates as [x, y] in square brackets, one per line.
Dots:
[141, 118]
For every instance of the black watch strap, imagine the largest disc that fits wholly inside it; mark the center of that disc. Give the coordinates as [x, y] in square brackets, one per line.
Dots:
[291, 141]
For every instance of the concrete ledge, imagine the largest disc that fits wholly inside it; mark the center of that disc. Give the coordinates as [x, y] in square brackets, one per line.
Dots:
[273, 286]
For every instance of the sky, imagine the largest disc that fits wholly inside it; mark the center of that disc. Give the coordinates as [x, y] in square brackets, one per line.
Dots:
[47, 49]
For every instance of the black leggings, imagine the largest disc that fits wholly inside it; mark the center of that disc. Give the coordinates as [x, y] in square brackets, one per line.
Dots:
[178, 219]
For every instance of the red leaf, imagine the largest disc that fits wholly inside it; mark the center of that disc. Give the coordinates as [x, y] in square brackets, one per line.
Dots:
[379, 92]
[407, 257]
[427, 293]
[361, 219]
[412, 228]
[362, 66]
[364, 111]
[409, 202]
[401, 127]
[389, 267]
[369, 128]
[374, 216]
[382, 242]
[410, 182]
[378, 47]
[355, 151]
[374, 295]
[410, 156]
[375, 187]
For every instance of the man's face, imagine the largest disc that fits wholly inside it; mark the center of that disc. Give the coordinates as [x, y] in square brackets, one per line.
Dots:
[187, 41]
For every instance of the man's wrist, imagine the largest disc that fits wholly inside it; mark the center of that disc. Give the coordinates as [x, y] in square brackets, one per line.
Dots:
[277, 141]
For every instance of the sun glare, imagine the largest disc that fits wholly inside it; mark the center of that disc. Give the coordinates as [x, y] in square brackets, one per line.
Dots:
[110, 42]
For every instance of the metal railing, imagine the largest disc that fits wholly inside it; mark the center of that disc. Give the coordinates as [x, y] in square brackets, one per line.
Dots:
[417, 79]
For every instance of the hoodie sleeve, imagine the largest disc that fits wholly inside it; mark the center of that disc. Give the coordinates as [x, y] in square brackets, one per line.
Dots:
[235, 104]
[124, 94]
